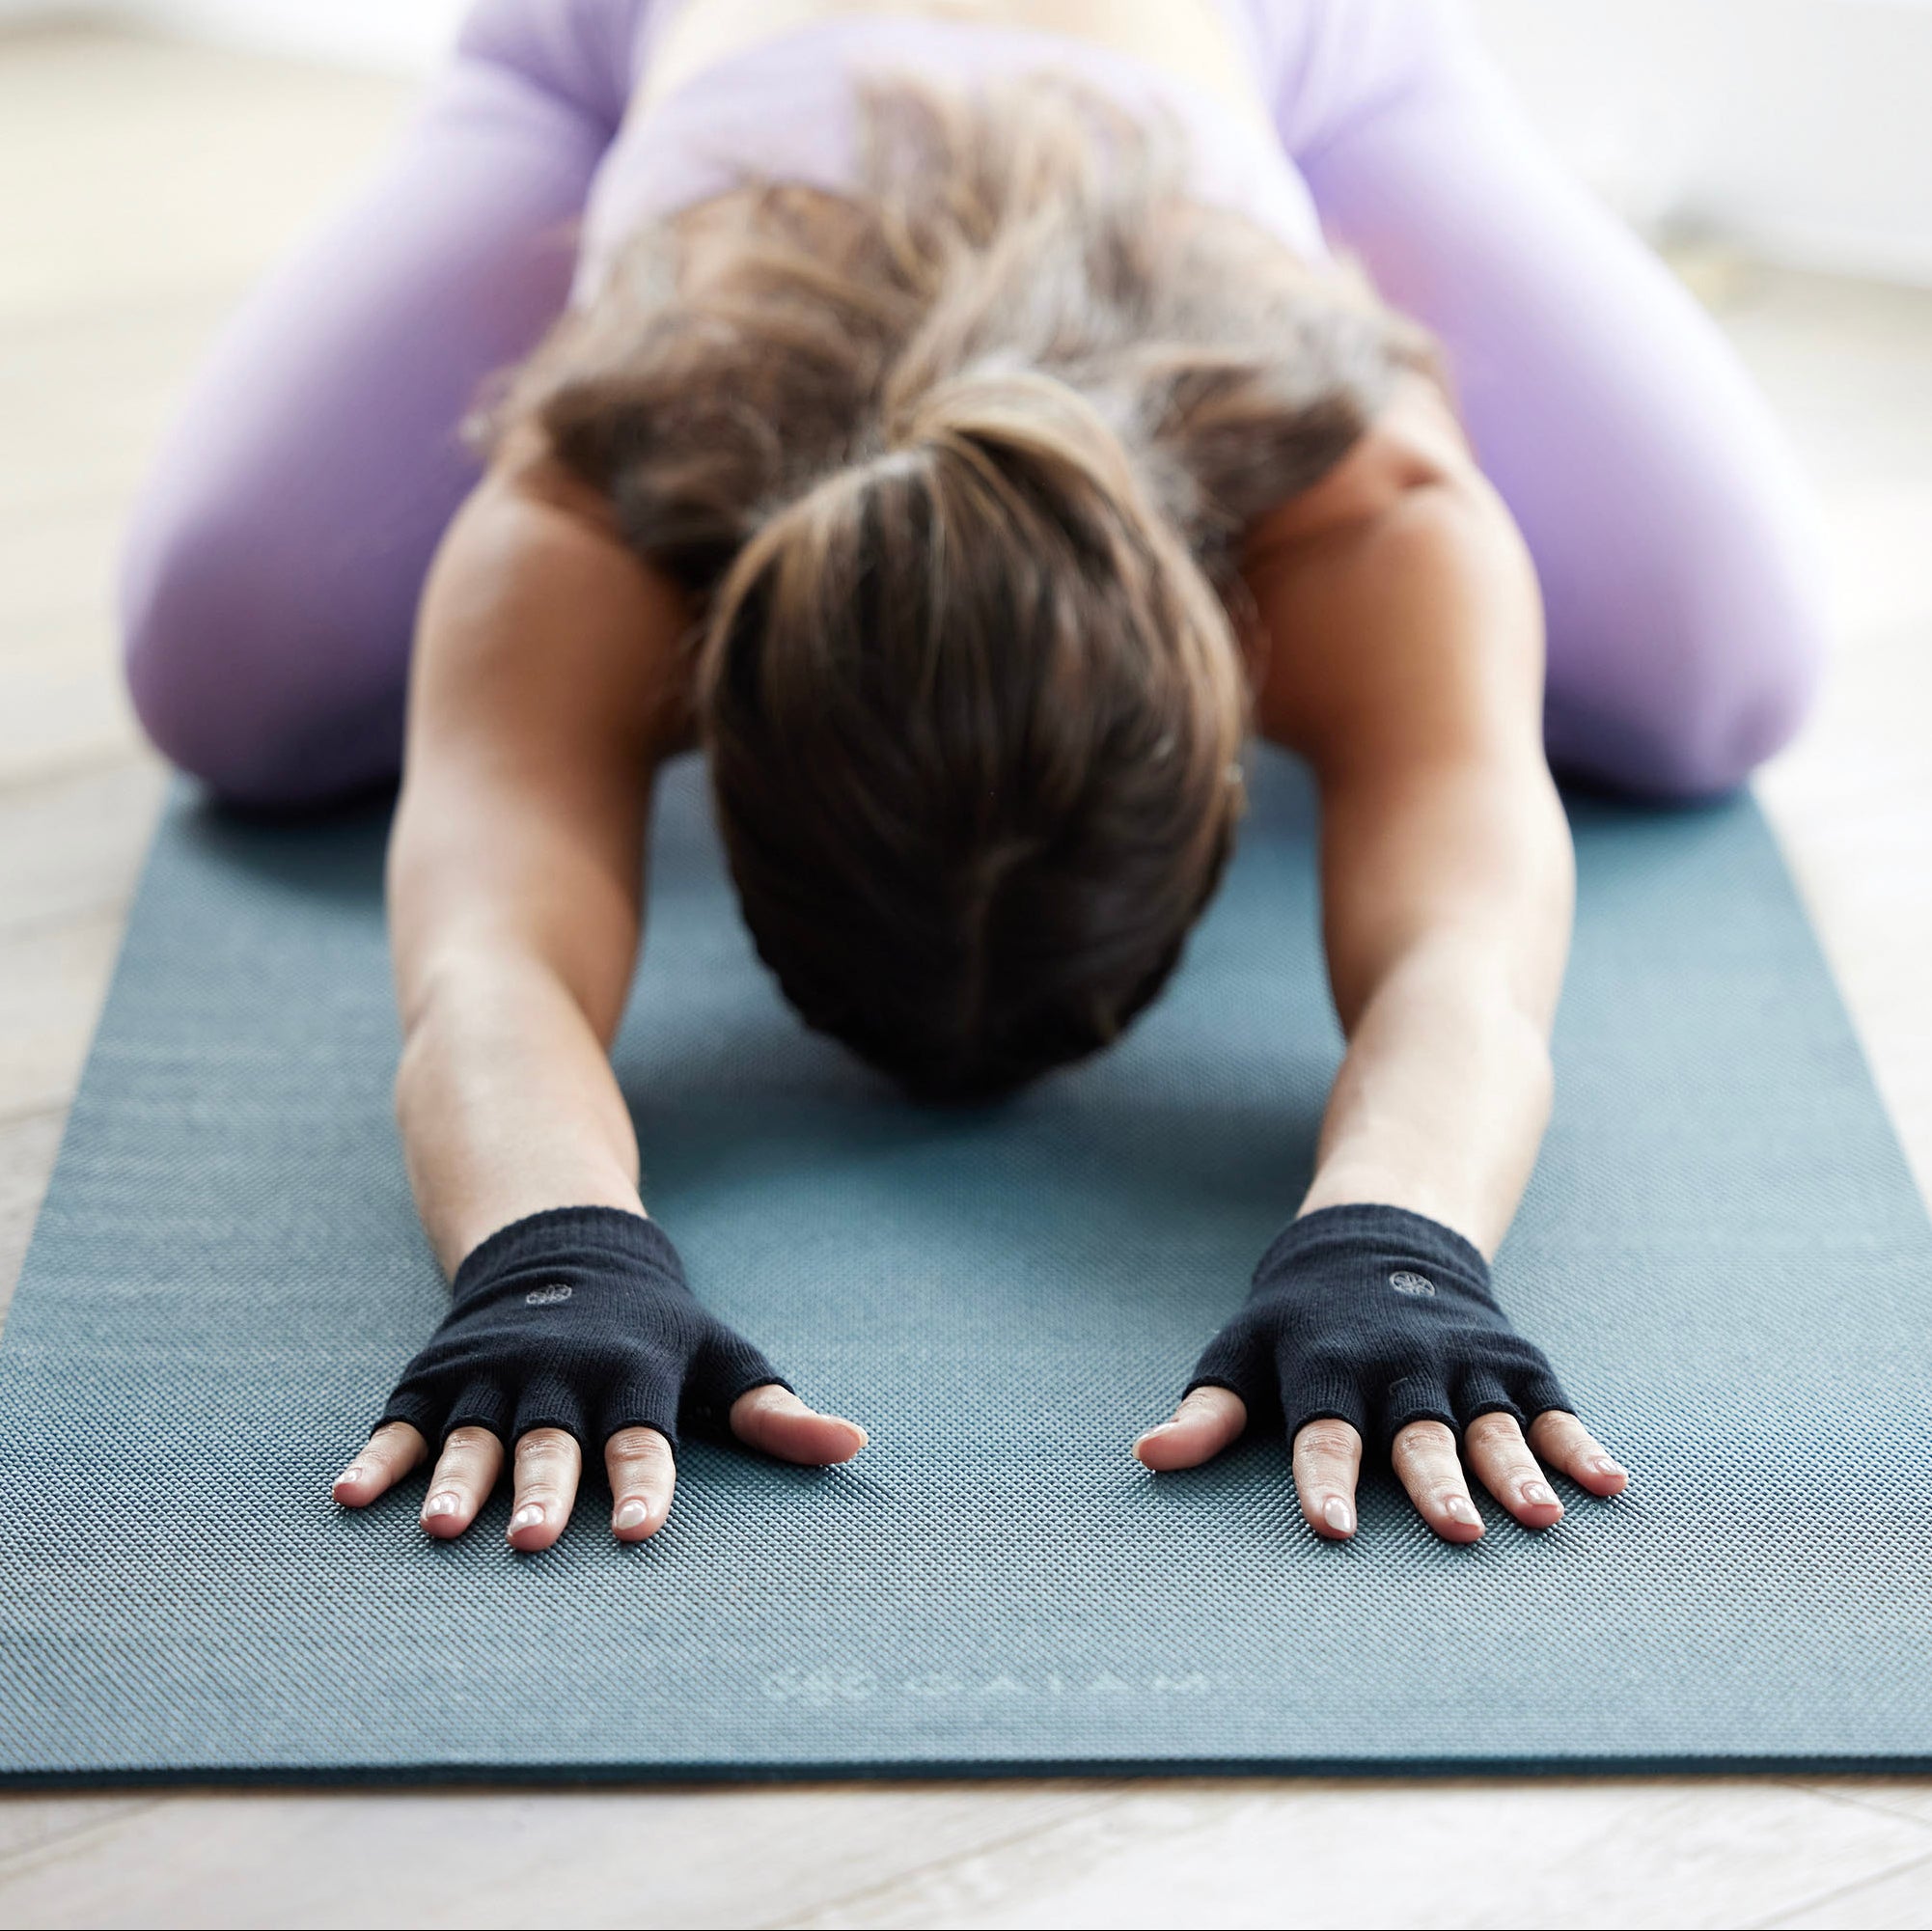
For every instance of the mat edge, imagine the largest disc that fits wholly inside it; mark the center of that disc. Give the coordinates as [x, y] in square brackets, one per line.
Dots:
[1362, 1769]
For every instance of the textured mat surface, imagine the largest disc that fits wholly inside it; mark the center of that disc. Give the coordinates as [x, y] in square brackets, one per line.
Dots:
[1722, 1250]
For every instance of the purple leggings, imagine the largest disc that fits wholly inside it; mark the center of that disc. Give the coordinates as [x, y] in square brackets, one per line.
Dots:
[275, 560]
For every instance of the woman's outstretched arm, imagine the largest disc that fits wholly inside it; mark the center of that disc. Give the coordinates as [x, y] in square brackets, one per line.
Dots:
[1403, 652]
[1405, 667]
[543, 697]
[515, 869]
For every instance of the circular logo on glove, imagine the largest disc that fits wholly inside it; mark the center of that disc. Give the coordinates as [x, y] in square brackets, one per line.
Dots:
[560, 1290]
[1404, 1283]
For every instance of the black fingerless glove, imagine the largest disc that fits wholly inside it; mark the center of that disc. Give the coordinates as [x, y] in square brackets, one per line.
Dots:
[575, 1319]
[1379, 1318]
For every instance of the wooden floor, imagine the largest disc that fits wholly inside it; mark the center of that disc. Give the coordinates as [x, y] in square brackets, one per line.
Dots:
[145, 186]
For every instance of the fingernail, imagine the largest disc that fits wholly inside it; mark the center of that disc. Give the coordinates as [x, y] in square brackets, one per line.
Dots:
[527, 1517]
[1460, 1508]
[354, 1473]
[440, 1505]
[1604, 1466]
[1338, 1516]
[632, 1514]
[1539, 1494]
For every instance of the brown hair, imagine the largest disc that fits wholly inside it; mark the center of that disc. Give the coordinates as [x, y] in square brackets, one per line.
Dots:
[959, 463]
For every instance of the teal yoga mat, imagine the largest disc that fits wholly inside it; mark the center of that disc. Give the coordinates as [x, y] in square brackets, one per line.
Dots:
[1722, 1250]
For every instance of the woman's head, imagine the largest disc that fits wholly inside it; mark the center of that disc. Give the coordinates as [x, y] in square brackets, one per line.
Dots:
[958, 464]
[974, 720]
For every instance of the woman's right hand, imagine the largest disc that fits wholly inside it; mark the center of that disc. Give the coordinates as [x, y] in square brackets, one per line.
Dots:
[570, 1328]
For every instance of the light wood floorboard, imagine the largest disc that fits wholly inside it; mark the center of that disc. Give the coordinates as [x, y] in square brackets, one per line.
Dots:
[163, 179]
[670, 1858]
[1478, 1853]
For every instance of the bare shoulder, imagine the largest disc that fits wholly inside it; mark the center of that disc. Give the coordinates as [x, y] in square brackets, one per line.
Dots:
[538, 618]
[544, 694]
[1416, 440]
[1395, 602]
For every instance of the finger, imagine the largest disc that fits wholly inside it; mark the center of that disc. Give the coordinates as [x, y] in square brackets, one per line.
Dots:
[774, 1420]
[384, 1459]
[466, 1471]
[1501, 1457]
[1428, 1467]
[643, 1475]
[548, 1463]
[1206, 1421]
[1327, 1460]
[1566, 1444]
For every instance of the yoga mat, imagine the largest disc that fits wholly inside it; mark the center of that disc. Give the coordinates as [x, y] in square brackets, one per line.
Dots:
[1722, 1250]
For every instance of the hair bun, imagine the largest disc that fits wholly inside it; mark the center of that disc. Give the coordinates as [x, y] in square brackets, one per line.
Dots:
[1025, 416]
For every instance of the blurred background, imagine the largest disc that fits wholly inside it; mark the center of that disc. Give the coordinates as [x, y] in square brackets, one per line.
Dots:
[1797, 127]
[157, 154]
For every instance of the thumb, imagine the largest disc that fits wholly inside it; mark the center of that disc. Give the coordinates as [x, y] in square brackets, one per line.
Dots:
[773, 1419]
[1206, 1421]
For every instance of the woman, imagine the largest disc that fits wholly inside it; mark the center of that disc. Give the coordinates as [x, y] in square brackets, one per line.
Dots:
[951, 418]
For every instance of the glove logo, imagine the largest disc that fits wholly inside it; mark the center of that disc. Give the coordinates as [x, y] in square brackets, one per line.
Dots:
[547, 1297]
[1404, 1283]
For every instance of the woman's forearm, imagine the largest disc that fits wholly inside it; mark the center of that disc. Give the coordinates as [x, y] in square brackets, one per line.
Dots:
[507, 1105]
[1406, 666]
[1443, 1097]
[1447, 910]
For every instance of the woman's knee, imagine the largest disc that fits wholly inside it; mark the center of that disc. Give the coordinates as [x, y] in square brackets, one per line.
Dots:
[1728, 724]
[1711, 710]
[1682, 678]
[245, 676]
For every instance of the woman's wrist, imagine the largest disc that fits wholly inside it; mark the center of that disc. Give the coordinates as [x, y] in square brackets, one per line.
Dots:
[617, 1234]
[1439, 1107]
[1366, 1185]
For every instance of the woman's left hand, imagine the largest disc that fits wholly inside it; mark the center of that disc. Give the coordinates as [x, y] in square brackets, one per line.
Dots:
[1373, 1323]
